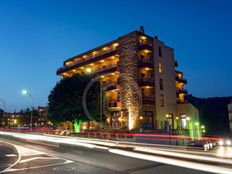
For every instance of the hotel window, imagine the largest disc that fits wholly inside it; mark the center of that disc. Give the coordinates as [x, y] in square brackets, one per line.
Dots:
[161, 84]
[161, 100]
[160, 51]
[160, 67]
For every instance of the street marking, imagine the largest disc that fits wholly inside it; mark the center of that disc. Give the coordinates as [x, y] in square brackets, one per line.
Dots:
[23, 152]
[35, 158]
[19, 158]
[10, 155]
[28, 152]
[37, 167]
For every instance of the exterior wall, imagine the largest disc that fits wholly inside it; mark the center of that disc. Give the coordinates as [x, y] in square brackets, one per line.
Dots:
[191, 114]
[230, 115]
[128, 67]
[169, 89]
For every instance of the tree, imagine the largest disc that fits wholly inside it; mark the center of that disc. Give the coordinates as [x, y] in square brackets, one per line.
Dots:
[65, 100]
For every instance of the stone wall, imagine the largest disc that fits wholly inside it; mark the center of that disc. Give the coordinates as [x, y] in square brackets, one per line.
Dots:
[128, 65]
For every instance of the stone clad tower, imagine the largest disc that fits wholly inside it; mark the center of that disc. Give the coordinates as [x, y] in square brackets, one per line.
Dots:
[128, 80]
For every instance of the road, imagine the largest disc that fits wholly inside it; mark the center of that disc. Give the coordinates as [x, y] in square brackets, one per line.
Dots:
[46, 154]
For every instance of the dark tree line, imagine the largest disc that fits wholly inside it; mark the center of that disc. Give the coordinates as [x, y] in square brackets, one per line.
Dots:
[213, 113]
[65, 99]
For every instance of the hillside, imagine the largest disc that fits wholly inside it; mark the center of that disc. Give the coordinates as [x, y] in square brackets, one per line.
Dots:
[213, 113]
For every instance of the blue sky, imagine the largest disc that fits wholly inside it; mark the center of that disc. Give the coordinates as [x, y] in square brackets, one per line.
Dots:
[37, 36]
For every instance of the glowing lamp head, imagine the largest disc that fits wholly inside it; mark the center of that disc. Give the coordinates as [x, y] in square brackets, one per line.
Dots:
[221, 143]
[88, 70]
[188, 118]
[24, 92]
[228, 142]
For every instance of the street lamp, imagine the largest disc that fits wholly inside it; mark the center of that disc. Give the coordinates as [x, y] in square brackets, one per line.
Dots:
[25, 92]
[4, 108]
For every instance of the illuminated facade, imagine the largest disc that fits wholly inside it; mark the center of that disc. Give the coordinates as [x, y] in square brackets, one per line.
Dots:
[142, 87]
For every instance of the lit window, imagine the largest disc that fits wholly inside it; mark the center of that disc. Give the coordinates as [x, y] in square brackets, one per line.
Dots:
[160, 67]
[161, 100]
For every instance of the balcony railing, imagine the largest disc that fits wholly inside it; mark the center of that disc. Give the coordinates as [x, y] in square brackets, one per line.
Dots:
[89, 60]
[146, 82]
[111, 86]
[146, 63]
[148, 100]
[114, 104]
[105, 69]
[178, 100]
[145, 45]
[145, 42]
[89, 57]
[182, 80]
[183, 91]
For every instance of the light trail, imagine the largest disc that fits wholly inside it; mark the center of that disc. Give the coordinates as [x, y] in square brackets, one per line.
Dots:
[174, 162]
[182, 155]
[136, 151]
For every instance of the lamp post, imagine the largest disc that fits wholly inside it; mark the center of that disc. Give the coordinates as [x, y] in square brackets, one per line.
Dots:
[25, 92]
[197, 128]
[141, 123]
[4, 108]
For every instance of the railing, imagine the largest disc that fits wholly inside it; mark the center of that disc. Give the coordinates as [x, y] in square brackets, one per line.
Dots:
[146, 61]
[87, 59]
[145, 42]
[146, 82]
[147, 79]
[114, 103]
[148, 99]
[181, 79]
[104, 68]
[183, 91]
[80, 60]
[111, 86]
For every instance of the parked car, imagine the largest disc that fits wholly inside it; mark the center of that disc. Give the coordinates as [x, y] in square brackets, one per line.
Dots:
[203, 144]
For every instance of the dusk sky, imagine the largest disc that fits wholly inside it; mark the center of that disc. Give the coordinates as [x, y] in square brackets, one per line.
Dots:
[36, 36]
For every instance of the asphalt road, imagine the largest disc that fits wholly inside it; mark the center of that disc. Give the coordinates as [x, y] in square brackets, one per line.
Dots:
[43, 157]
[8, 155]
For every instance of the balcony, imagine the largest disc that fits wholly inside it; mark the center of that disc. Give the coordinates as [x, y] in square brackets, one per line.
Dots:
[114, 104]
[181, 80]
[106, 69]
[143, 63]
[182, 91]
[150, 100]
[145, 47]
[90, 59]
[179, 101]
[145, 44]
[111, 86]
[146, 82]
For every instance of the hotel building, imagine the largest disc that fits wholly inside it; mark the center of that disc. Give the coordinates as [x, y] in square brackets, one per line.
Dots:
[142, 86]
